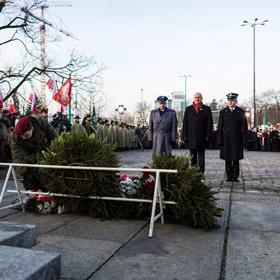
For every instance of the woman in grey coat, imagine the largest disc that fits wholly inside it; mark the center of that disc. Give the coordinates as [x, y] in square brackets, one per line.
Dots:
[162, 132]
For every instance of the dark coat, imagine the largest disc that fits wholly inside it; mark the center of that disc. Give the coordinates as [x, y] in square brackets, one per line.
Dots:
[232, 133]
[27, 151]
[197, 127]
[162, 130]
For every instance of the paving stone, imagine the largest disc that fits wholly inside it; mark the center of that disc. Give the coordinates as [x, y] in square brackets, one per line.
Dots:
[17, 235]
[20, 264]
[261, 216]
[253, 255]
[80, 257]
[115, 230]
[44, 223]
[177, 252]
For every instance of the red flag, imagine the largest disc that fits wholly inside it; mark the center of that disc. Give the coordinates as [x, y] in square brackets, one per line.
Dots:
[52, 86]
[33, 99]
[63, 96]
[12, 108]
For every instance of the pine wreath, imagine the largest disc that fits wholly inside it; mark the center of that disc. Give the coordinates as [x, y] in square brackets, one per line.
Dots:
[196, 202]
[81, 150]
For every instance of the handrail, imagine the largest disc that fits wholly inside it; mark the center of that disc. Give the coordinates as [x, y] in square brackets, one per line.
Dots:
[79, 167]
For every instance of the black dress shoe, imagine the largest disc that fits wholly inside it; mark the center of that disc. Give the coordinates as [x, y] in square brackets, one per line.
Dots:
[228, 180]
[235, 180]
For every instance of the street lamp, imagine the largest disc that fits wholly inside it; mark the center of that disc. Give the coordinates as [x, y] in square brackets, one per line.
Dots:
[253, 25]
[185, 77]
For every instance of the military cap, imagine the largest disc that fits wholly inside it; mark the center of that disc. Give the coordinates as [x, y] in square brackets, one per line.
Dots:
[162, 99]
[232, 96]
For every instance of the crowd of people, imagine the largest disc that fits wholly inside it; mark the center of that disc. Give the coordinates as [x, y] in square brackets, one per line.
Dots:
[267, 140]
[259, 139]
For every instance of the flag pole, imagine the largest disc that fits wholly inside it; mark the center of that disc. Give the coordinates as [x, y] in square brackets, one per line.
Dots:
[69, 106]
[69, 112]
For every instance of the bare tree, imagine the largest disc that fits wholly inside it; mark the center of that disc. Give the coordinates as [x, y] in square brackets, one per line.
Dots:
[142, 112]
[22, 30]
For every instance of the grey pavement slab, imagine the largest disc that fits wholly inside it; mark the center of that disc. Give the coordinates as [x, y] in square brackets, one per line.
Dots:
[8, 200]
[20, 264]
[260, 216]
[86, 243]
[7, 212]
[80, 257]
[115, 230]
[256, 196]
[44, 223]
[17, 235]
[177, 252]
[253, 255]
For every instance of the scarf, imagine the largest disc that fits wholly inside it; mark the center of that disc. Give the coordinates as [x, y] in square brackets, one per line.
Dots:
[197, 107]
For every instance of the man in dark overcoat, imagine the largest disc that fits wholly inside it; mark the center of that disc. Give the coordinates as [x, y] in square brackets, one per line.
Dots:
[232, 136]
[197, 130]
[162, 131]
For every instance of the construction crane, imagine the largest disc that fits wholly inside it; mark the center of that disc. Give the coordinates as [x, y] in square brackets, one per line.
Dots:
[44, 22]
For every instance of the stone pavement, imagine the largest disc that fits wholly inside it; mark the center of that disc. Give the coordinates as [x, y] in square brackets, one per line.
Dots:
[245, 247]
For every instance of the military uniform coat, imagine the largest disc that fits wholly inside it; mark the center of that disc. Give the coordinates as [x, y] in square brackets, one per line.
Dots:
[197, 127]
[26, 151]
[78, 129]
[162, 130]
[232, 133]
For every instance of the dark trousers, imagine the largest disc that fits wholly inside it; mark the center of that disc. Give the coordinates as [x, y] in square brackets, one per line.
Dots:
[198, 157]
[232, 169]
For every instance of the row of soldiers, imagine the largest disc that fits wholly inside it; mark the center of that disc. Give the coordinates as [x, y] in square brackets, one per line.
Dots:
[122, 135]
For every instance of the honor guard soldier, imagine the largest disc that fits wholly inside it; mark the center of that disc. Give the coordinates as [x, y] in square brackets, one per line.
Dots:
[162, 131]
[232, 136]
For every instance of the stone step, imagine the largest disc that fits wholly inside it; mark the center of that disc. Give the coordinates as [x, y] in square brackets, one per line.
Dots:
[17, 235]
[21, 264]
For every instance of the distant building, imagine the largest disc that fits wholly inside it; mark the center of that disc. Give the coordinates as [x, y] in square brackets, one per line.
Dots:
[177, 101]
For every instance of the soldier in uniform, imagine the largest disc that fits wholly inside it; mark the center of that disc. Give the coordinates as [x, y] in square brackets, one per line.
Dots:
[232, 136]
[162, 131]
[197, 130]
[31, 135]
[5, 136]
[77, 128]
[88, 124]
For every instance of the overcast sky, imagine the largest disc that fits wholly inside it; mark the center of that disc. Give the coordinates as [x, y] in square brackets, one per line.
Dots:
[150, 43]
